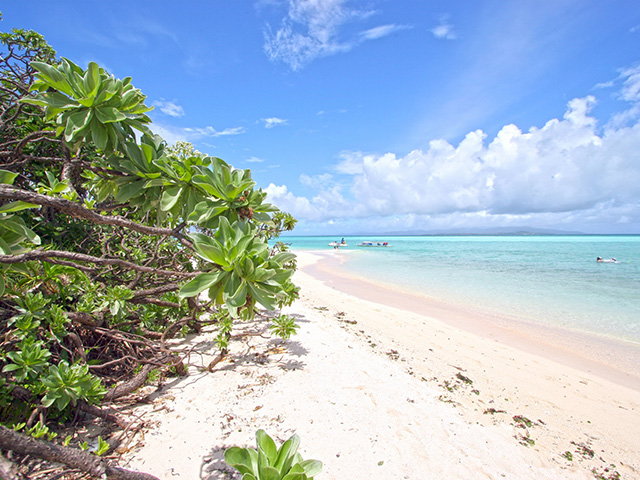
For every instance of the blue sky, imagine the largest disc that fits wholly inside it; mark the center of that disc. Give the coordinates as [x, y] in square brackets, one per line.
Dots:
[388, 115]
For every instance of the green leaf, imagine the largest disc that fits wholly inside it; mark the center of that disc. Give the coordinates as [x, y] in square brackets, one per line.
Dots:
[155, 182]
[199, 284]
[92, 79]
[7, 177]
[99, 134]
[266, 443]
[239, 459]
[224, 232]
[259, 249]
[130, 99]
[295, 476]
[109, 115]
[209, 184]
[283, 257]
[206, 210]
[53, 77]
[286, 453]
[86, 102]
[62, 402]
[17, 206]
[103, 447]
[10, 367]
[170, 197]
[262, 274]
[210, 251]
[311, 467]
[76, 122]
[60, 187]
[51, 100]
[217, 289]
[269, 473]
[238, 299]
[18, 226]
[280, 277]
[5, 248]
[127, 191]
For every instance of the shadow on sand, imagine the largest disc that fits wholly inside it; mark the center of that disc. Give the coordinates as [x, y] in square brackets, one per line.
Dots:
[284, 354]
[258, 351]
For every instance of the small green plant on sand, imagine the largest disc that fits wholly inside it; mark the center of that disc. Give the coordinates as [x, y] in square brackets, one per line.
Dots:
[284, 326]
[270, 463]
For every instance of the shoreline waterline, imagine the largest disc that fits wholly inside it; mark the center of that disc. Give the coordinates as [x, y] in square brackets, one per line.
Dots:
[611, 359]
[551, 280]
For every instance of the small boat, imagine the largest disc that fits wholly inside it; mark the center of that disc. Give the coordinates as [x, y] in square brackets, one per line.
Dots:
[338, 244]
[374, 244]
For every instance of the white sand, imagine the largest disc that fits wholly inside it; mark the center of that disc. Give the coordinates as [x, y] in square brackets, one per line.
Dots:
[378, 392]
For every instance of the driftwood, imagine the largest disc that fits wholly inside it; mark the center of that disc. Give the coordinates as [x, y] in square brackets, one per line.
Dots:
[96, 466]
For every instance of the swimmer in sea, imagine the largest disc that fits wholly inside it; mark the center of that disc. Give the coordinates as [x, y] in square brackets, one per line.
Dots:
[602, 260]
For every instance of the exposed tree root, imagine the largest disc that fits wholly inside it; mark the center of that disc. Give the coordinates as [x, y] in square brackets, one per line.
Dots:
[96, 466]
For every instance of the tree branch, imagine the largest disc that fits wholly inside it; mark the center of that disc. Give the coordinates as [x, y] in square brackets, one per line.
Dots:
[170, 287]
[85, 319]
[76, 210]
[155, 301]
[40, 254]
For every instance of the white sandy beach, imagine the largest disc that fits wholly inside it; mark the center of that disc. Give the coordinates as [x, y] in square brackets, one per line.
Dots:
[377, 391]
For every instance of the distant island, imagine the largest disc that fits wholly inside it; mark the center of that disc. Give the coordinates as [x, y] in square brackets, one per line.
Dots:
[495, 231]
[474, 232]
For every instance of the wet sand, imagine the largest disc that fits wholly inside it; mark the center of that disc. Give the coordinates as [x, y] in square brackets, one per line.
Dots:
[611, 359]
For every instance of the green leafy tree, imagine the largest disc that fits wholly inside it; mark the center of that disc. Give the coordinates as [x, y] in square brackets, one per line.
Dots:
[111, 242]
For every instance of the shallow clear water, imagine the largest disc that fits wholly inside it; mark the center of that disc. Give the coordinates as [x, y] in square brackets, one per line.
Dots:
[540, 279]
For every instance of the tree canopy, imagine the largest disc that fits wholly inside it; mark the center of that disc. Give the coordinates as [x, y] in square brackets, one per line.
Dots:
[112, 242]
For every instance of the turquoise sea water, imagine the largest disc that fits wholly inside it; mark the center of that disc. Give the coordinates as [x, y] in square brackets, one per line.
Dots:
[552, 280]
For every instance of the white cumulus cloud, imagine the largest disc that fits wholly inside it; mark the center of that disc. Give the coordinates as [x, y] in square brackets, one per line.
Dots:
[169, 108]
[569, 171]
[314, 209]
[444, 30]
[274, 122]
